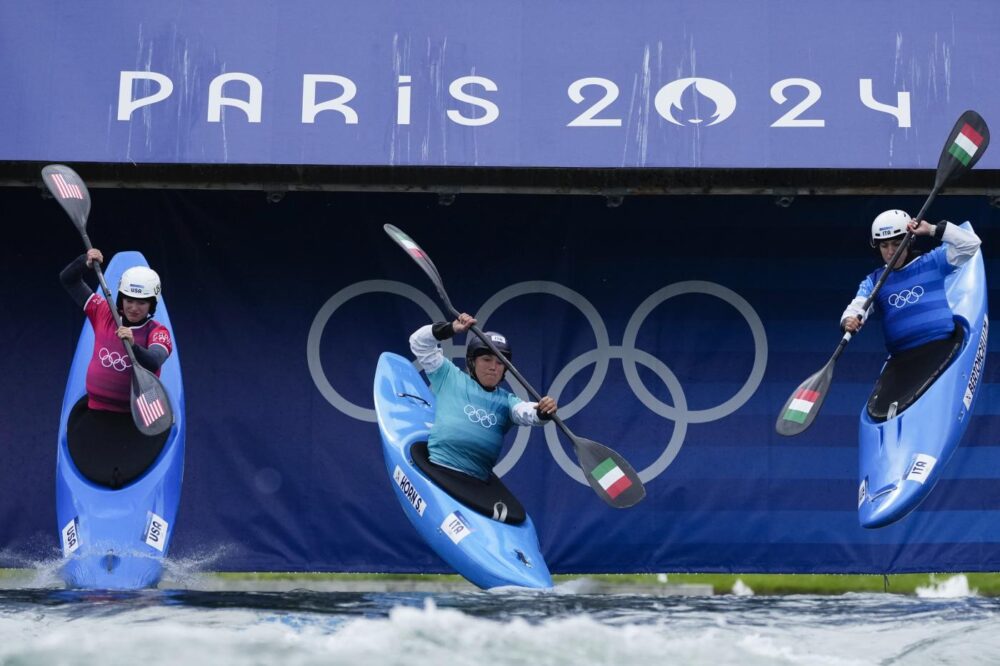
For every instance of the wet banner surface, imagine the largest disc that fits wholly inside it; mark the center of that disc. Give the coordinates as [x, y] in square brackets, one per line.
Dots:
[754, 84]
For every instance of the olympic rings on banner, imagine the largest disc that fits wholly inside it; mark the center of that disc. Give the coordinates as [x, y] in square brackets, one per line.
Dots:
[906, 297]
[323, 316]
[599, 357]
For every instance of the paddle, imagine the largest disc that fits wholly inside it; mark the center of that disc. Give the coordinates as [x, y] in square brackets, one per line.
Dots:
[151, 409]
[965, 145]
[610, 475]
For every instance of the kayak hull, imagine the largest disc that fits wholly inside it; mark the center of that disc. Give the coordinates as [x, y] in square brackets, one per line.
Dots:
[487, 552]
[118, 538]
[902, 458]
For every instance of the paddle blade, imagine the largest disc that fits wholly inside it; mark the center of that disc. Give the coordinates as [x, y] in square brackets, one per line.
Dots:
[70, 191]
[966, 143]
[418, 255]
[151, 409]
[804, 403]
[610, 475]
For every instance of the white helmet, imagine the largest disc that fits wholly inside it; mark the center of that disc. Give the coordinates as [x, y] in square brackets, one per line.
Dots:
[890, 224]
[139, 282]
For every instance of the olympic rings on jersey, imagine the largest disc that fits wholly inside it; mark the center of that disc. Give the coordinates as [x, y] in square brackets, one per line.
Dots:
[906, 297]
[599, 357]
[481, 416]
[115, 360]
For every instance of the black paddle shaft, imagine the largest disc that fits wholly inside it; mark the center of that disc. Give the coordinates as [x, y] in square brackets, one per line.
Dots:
[517, 375]
[107, 296]
[425, 262]
[955, 160]
[949, 167]
[590, 454]
[150, 404]
[907, 241]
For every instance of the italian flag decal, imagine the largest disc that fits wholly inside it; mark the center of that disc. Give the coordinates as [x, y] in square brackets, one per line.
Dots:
[966, 144]
[802, 403]
[611, 477]
[410, 246]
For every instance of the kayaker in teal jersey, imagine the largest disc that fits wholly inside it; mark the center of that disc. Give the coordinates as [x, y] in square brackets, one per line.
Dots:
[912, 300]
[473, 413]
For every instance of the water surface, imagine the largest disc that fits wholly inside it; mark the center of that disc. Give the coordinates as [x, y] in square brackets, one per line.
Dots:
[565, 626]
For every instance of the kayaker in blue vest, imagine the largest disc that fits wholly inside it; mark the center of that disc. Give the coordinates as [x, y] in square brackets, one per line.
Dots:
[473, 413]
[912, 300]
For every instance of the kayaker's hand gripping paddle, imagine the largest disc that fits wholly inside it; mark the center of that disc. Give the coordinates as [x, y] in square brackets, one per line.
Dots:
[151, 409]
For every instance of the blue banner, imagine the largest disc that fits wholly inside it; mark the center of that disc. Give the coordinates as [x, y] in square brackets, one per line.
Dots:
[588, 83]
[672, 329]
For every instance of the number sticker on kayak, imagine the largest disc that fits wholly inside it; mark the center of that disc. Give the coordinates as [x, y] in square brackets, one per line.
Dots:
[70, 537]
[456, 527]
[921, 467]
[977, 366]
[409, 492]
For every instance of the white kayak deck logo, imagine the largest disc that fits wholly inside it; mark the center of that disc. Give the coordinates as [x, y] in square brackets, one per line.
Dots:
[977, 366]
[156, 531]
[456, 527]
[70, 537]
[921, 468]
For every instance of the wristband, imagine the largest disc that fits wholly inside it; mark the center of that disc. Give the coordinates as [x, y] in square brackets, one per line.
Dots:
[442, 330]
[939, 230]
[542, 415]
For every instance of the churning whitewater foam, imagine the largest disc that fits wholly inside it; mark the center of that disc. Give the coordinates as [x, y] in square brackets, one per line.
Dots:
[308, 627]
[952, 587]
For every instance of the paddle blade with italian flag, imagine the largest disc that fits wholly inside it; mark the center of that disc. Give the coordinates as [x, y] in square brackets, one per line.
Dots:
[802, 407]
[965, 145]
[609, 474]
[415, 252]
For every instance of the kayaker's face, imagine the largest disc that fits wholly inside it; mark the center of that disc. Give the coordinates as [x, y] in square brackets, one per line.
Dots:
[135, 309]
[888, 247]
[489, 370]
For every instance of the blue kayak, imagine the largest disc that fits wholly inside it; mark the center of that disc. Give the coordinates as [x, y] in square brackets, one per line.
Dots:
[485, 536]
[921, 406]
[116, 495]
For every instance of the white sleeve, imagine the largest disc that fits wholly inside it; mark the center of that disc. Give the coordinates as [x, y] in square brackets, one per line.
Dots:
[525, 413]
[961, 243]
[425, 347]
[854, 309]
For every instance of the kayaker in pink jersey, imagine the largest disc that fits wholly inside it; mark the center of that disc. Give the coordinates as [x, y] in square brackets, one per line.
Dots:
[109, 374]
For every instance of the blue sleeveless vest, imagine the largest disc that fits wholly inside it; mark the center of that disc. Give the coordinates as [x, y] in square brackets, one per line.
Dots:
[913, 303]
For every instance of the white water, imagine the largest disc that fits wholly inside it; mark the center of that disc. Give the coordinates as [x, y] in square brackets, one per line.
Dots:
[566, 627]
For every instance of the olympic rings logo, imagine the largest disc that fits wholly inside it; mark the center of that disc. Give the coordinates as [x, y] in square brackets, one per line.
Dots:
[481, 416]
[115, 360]
[906, 297]
[600, 357]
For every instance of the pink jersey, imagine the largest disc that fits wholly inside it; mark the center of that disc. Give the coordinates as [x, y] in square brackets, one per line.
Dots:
[109, 376]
